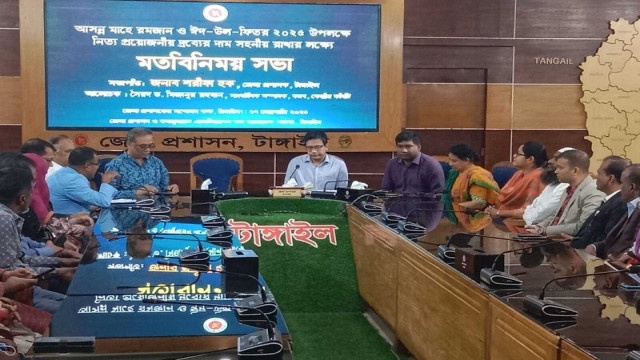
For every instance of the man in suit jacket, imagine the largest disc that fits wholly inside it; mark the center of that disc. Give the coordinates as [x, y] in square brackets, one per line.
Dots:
[612, 209]
[622, 236]
[578, 203]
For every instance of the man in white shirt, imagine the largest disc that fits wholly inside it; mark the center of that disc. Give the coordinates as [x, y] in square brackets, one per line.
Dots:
[323, 171]
[63, 146]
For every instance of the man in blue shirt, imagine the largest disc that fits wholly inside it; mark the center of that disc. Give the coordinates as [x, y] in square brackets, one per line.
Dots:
[322, 170]
[141, 174]
[70, 189]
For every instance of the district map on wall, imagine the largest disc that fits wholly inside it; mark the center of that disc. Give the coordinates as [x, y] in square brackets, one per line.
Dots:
[611, 94]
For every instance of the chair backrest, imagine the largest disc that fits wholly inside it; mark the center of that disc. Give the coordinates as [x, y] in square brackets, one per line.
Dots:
[502, 172]
[444, 162]
[103, 160]
[222, 169]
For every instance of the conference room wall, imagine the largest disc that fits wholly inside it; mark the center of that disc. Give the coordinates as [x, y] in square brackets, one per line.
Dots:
[470, 71]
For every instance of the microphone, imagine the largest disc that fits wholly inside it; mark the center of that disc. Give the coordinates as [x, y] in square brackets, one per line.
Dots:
[543, 308]
[294, 172]
[495, 278]
[367, 208]
[265, 343]
[447, 254]
[334, 182]
[195, 259]
[390, 218]
[263, 301]
[412, 228]
[633, 355]
[229, 195]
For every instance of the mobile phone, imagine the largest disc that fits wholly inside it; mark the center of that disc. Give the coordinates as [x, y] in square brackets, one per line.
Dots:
[44, 273]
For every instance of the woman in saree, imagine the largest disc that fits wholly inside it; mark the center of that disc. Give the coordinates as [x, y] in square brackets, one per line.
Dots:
[525, 185]
[472, 188]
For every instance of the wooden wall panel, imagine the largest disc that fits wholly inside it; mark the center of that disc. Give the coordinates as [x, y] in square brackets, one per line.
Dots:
[534, 62]
[10, 50]
[498, 106]
[438, 141]
[9, 14]
[514, 337]
[10, 138]
[496, 59]
[430, 295]
[481, 18]
[552, 139]
[498, 147]
[251, 162]
[571, 18]
[10, 100]
[446, 105]
[421, 75]
[548, 107]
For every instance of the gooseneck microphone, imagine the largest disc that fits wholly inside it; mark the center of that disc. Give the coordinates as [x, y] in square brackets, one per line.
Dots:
[390, 218]
[447, 254]
[263, 301]
[495, 278]
[543, 308]
[368, 208]
[334, 182]
[265, 343]
[294, 172]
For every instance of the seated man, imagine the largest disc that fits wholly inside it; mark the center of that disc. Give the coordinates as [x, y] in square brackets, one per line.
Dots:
[39, 147]
[612, 209]
[411, 171]
[318, 168]
[580, 200]
[63, 146]
[141, 174]
[70, 189]
[16, 185]
[621, 238]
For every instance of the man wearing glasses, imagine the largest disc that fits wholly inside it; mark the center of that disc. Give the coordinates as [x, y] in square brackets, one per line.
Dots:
[323, 171]
[141, 174]
[411, 171]
[70, 189]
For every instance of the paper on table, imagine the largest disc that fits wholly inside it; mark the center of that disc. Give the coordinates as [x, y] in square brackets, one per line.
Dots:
[123, 201]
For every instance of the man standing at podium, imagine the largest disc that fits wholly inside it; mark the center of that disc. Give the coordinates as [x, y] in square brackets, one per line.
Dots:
[411, 171]
[323, 171]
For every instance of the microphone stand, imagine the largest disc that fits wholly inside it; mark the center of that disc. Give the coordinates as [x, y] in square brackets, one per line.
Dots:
[265, 343]
[495, 278]
[545, 309]
[447, 254]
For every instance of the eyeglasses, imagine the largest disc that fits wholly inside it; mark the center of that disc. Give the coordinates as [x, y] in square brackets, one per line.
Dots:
[93, 163]
[518, 154]
[316, 148]
[145, 146]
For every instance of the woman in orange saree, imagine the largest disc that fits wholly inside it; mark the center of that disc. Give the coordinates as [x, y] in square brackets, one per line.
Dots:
[525, 185]
[472, 188]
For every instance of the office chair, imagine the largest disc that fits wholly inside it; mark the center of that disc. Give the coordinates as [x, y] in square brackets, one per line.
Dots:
[224, 170]
[103, 160]
[502, 172]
